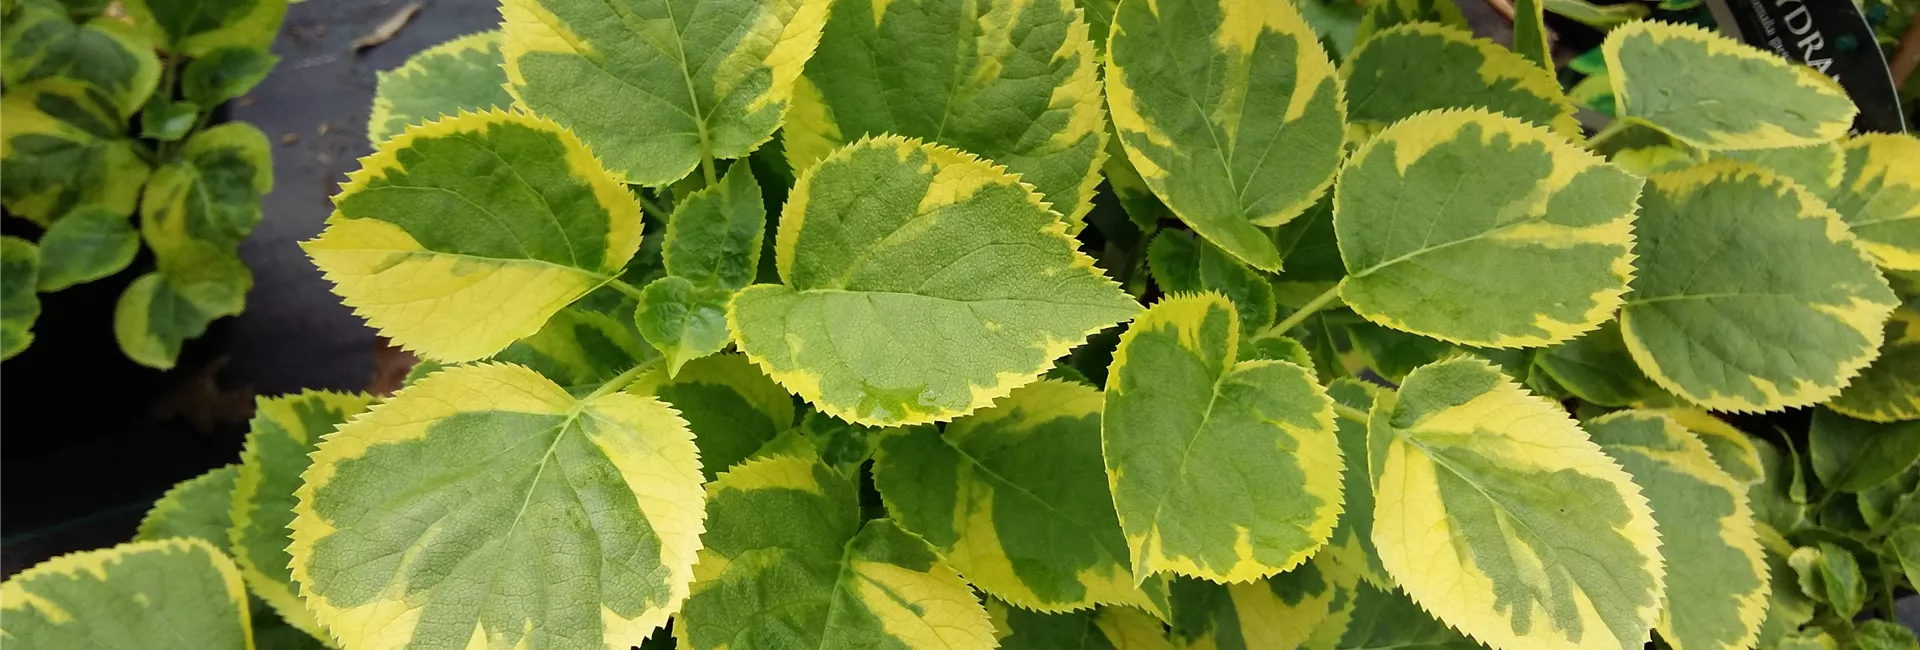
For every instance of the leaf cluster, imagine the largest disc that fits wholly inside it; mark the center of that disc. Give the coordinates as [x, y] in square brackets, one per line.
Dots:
[1135, 324]
[105, 114]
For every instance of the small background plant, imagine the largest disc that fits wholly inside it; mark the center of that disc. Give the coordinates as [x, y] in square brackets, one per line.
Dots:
[106, 112]
[938, 324]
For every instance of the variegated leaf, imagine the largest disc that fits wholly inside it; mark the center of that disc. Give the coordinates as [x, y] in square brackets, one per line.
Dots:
[1283, 611]
[1012, 82]
[1219, 470]
[584, 345]
[486, 505]
[1598, 369]
[1717, 93]
[889, 313]
[198, 507]
[1383, 14]
[731, 407]
[61, 148]
[1751, 294]
[1879, 197]
[1231, 112]
[785, 534]
[1888, 390]
[1352, 543]
[1385, 619]
[1479, 229]
[159, 312]
[461, 75]
[1182, 263]
[658, 86]
[1530, 36]
[19, 301]
[1015, 496]
[285, 431]
[1819, 168]
[1419, 67]
[1495, 512]
[108, 55]
[197, 27]
[1717, 579]
[1019, 629]
[87, 244]
[455, 239]
[1787, 607]
[169, 594]
[1732, 450]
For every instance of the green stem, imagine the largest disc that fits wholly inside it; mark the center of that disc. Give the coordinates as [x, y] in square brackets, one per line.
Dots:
[618, 383]
[1312, 307]
[1349, 413]
[653, 208]
[706, 166]
[623, 287]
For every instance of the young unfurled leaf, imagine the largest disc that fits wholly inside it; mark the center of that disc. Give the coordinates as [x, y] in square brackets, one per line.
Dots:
[1880, 634]
[461, 75]
[1887, 391]
[1716, 583]
[1480, 229]
[198, 507]
[1012, 82]
[1016, 497]
[61, 148]
[19, 303]
[1530, 37]
[655, 86]
[1383, 14]
[486, 502]
[1731, 449]
[170, 594]
[731, 407]
[1420, 67]
[1352, 542]
[919, 284]
[1716, 93]
[285, 431]
[1751, 294]
[168, 121]
[462, 235]
[1283, 611]
[1904, 543]
[1392, 353]
[1182, 263]
[1879, 197]
[1852, 455]
[1278, 348]
[682, 320]
[1598, 16]
[1819, 168]
[158, 312]
[85, 245]
[198, 27]
[1220, 470]
[785, 533]
[105, 55]
[841, 445]
[1830, 574]
[1385, 619]
[1230, 110]
[715, 235]
[226, 73]
[1598, 369]
[1494, 511]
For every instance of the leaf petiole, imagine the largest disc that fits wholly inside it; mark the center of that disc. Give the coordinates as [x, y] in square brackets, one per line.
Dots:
[623, 287]
[1312, 307]
[1350, 413]
[619, 382]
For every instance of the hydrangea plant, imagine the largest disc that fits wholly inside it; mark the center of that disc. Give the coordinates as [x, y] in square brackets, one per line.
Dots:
[105, 114]
[943, 324]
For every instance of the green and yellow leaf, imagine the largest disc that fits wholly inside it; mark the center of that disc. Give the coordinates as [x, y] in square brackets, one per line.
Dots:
[196, 27]
[653, 92]
[1732, 450]
[1717, 93]
[1597, 368]
[1830, 574]
[1496, 513]
[208, 200]
[1385, 619]
[1015, 496]
[1013, 82]
[60, 148]
[1383, 14]
[455, 238]
[461, 75]
[1717, 578]
[1219, 470]
[1351, 545]
[1751, 294]
[731, 407]
[1530, 37]
[1019, 629]
[1888, 390]
[1283, 611]
[1820, 168]
[41, 42]
[1418, 67]
[198, 507]
[158, 313]
[284, 432]
[1182, 263]
[1879, 197]
[1787, 607]
[1252, 143]
[87, 244]
[1644, 150]
[1127, 628]
[584, 345]
[224, 73]
[169, 594]
[484, 505]
[785, 534]
[918, 283]
[1852, 455]
[1525, 240]
[19, 301]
